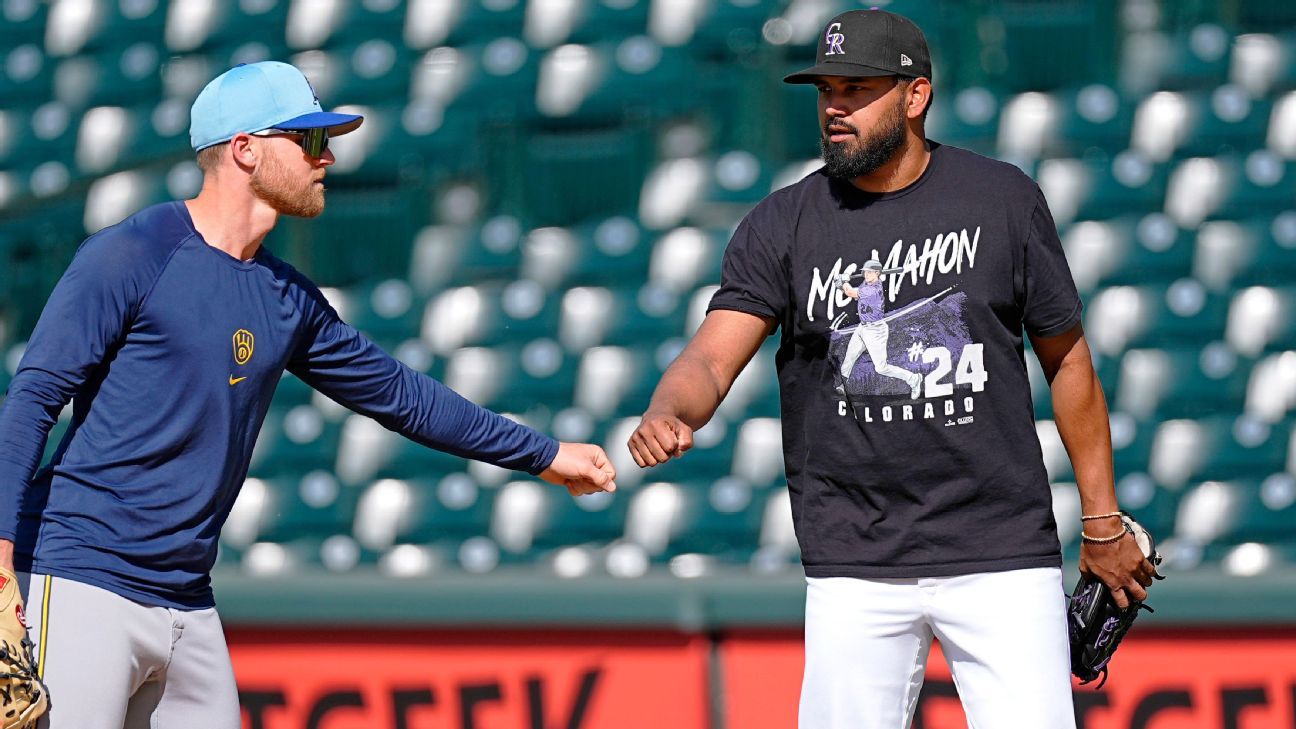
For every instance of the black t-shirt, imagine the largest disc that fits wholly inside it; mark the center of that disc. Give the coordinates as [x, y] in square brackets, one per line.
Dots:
[922, 459]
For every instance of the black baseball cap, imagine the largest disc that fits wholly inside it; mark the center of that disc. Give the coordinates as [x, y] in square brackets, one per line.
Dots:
[868, 43]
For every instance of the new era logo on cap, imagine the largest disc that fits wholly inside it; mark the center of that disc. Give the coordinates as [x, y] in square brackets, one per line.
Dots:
[868, 43]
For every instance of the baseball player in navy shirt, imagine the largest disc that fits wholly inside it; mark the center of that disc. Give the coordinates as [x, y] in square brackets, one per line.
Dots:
[169, 333]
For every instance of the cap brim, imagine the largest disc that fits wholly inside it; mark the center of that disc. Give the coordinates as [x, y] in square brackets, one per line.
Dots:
[337, 124]
[854, 70]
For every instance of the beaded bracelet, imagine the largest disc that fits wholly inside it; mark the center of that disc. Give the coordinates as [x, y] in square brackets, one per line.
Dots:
[1091, 517]
[1105, 540]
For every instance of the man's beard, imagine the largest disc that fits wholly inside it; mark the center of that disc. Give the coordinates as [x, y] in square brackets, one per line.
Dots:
[272, 183]
[864, 155]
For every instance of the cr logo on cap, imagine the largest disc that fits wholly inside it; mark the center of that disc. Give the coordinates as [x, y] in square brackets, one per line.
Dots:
[834, 40]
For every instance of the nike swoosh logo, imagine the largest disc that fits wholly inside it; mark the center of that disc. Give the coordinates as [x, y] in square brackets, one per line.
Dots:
[235, 380]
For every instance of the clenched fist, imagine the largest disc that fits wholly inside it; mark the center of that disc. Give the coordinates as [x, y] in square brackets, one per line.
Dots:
[659, 438]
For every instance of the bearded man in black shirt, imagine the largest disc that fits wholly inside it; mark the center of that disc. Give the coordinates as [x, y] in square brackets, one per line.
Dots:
[921, 512]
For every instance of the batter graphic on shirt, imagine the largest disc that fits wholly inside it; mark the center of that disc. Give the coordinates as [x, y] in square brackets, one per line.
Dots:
[873, 331]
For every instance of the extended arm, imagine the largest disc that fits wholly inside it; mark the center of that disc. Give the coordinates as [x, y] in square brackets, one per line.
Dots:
[695, 384]
[1080, 411]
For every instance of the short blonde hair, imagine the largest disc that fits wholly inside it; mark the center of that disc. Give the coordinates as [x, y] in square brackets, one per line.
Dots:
[210, 157]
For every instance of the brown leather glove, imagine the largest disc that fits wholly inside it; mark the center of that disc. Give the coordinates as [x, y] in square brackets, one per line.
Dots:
[23, 698]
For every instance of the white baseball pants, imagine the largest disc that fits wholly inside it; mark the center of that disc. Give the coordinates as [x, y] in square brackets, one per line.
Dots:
[1003, 633]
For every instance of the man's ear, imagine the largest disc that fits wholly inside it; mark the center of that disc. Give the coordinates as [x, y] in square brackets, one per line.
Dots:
[918, 97]
[244, 150]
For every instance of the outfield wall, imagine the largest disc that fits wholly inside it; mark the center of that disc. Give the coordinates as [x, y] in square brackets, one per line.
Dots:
[341, 652]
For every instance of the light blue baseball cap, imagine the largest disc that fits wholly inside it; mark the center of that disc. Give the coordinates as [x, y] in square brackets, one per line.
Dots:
[253, 97]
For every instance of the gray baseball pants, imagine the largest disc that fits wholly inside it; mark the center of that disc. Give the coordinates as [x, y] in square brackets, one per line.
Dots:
[112, 663]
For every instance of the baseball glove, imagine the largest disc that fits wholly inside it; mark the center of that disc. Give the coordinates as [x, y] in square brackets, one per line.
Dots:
[1096, 624]
[23, 698]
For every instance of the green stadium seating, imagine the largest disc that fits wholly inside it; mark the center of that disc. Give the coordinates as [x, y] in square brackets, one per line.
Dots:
[1273, 260]
[602, 20]
[1194, 58]
[523, 250]
[1184, 314]
[1224, 120]
[451, 508]
[234, 25]
[313, 506]
[295, 440]
[561, 520]
[1094, 117]
[1165, 384]
[27, 74]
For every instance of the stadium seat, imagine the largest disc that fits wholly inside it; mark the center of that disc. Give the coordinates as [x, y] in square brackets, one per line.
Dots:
[1126, 250]
[1056, 462]
[453, 254]
[535, 517]
[667, 519]
[1261, 183]
[313, 506]
[1184, 313]
[1095, 117]
[614, 248]
[1152, 506]
[1218, 447]
[444, 520]
[589, 316]
[388, 311]
[518, 379]
[370, 71]
[1190, 59]
[361, 21]
[1101, 189]
[1023, 54]
[615, 381]
[1261, 318]
[970, 119]
[36, 135]
[778, 543]
[1235, 511]
[600, 21]
[294, 439]
[461, 316]
[1224, 120]
[87, 81]
[1258, 61]
[1271, 391]
[1272, 261]
[729, 28]
[561, 175]
[25, 22]
[26, 76]
[1157, 384]
[430, 23]
[220, 28]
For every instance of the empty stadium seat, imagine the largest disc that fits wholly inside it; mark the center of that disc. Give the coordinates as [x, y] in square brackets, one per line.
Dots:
[448, 511]
[1158, 384]
[1219, 447]
[721, 517]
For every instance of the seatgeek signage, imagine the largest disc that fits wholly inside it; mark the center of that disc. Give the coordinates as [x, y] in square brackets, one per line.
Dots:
[527, 679]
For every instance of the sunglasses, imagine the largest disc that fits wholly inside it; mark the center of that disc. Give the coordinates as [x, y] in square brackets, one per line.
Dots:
[314, 142]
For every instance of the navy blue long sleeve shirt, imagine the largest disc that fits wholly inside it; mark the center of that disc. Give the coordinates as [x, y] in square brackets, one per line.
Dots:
[170, 351]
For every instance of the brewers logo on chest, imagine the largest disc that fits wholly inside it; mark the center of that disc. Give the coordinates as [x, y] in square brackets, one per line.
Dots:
[244, 343]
